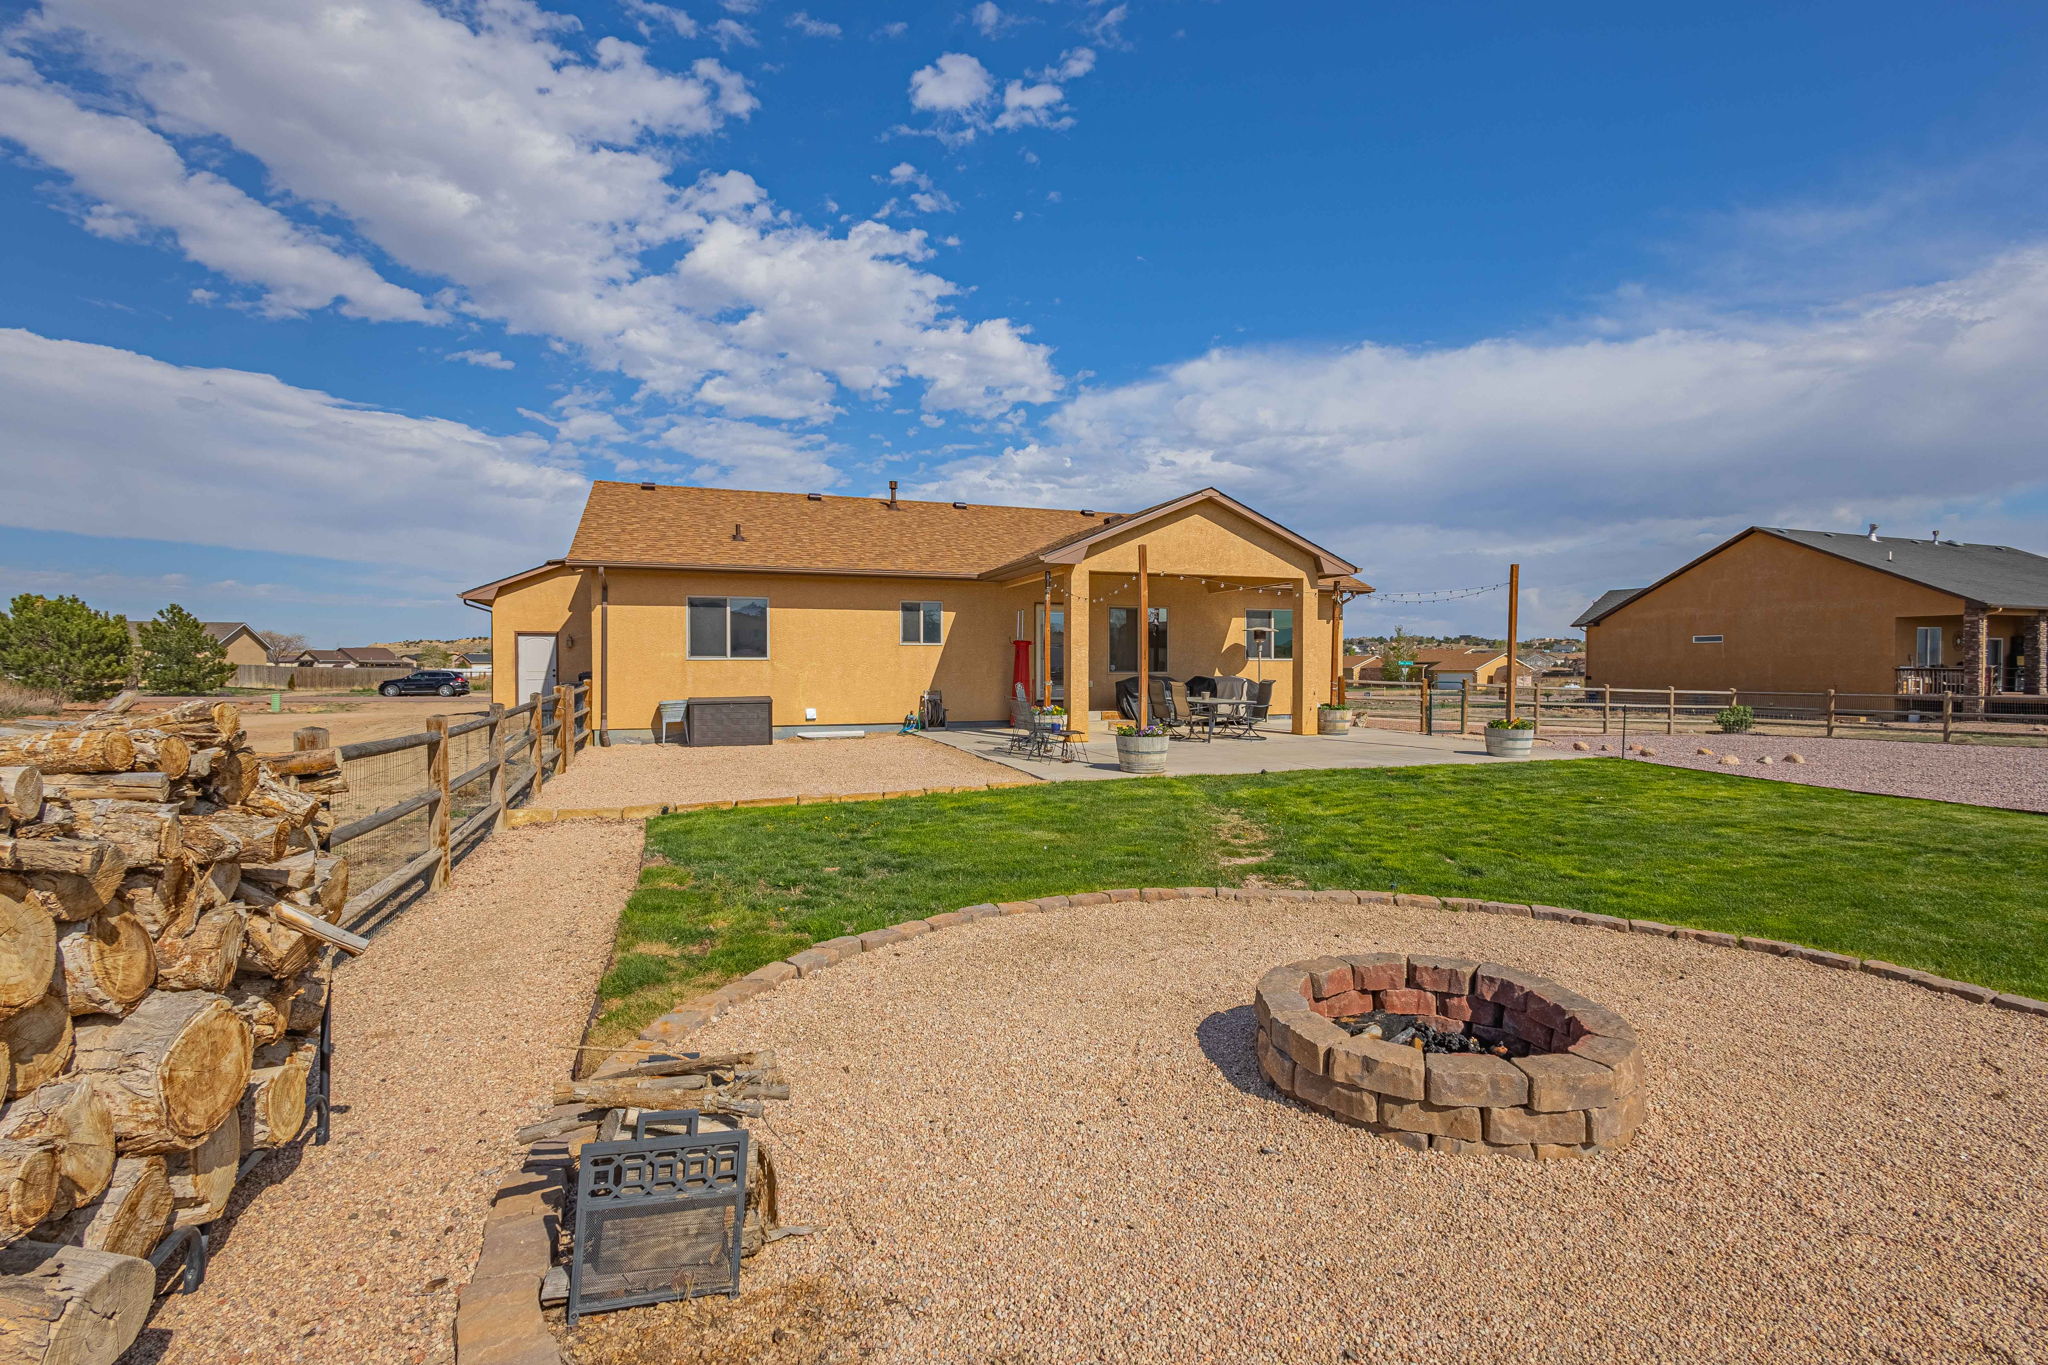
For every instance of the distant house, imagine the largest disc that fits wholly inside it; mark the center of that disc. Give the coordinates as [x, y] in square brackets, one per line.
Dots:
[1775, 609]
[1363, 667]
[359, 656]
[1468, 667]
[241, 644]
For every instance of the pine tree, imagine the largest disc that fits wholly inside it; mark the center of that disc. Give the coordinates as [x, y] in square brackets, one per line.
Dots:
[179, 656]
[59, 644]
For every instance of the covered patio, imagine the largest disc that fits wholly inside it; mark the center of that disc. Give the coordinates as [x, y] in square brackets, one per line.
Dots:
[1278, 751]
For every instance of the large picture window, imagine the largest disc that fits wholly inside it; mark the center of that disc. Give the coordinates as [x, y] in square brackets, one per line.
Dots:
[728, 628]
[1278, 642]
[923, 623]
[1123, 640]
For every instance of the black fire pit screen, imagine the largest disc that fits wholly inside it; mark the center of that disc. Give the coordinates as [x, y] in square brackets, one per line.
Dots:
[659, 1217]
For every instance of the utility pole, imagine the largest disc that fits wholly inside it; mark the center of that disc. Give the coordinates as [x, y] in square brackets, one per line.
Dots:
[1514, 625]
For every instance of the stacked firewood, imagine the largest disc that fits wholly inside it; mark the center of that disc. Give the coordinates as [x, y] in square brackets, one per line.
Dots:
[163, 909]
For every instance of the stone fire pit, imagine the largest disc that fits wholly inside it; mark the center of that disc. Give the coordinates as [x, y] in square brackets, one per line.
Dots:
[1571, 1084]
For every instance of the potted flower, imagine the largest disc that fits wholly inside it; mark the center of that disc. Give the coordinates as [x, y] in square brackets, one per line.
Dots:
[1510, 738]
[1141, 748]
[1333, 718]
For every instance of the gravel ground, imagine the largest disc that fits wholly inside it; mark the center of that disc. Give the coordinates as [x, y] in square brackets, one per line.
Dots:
[650, 774]
[1978, 774]
[1043, 1139]
[457, 1020]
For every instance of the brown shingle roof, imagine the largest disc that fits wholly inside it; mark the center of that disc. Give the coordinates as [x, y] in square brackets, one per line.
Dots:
[626, 523]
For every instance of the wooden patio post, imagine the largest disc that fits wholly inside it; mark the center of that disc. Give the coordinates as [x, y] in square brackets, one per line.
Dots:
[1144, 643]
[1336, 647]
[1045, 645]
[437, 773]
[1514, 625]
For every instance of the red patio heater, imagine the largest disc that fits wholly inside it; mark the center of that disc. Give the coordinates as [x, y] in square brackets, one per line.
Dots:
[1020, 669]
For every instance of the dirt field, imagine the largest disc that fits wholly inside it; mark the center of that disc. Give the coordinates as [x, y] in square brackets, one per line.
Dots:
[1043, 1138]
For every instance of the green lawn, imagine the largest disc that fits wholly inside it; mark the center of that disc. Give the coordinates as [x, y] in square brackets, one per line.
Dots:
[1951, 889]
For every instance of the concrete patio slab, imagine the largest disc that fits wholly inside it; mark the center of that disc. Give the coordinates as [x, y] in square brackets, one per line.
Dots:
[1278, 752]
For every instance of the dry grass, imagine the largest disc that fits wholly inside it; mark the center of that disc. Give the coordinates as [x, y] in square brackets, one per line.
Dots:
[17, 701]
[811, 1320]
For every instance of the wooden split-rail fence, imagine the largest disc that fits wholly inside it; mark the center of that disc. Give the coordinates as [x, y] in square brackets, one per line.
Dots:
[535, 740]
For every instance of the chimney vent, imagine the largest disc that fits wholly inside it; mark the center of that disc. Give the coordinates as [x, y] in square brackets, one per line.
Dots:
[736, 532]
[1873, 530]
[647, 488]
[961, 506]
[892, 493]
[814, 497]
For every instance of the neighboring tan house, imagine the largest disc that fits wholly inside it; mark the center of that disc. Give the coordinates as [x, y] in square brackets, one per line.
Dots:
[1808, 611]
[1363, 667]
[843, 610]
[1467, 667]
[241, 644]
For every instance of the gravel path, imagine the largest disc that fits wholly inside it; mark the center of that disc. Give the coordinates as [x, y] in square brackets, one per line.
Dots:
[459, 1017]
[1042, 1138]
[1979, 774]
[651, 774]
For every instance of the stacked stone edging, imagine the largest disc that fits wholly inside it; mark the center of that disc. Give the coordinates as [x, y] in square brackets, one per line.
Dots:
[1578, 1092]
[696, 1013]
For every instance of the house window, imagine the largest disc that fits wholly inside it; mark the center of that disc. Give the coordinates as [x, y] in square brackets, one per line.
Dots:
[1706, 639]
[1123, 640]
[1927, 646]
[1277, 642]
[923, 623]
[728, 627]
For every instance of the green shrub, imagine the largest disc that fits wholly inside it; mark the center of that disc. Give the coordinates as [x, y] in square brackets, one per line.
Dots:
[1518, 723]
[61, 645]
[1734, 720]
[178, 656]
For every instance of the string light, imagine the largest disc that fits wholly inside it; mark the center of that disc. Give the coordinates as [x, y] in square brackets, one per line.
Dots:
[1427, 595]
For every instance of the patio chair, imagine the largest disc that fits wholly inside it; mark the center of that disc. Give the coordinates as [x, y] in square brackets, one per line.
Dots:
[1244, 721]
[1167, 710]
[1022, 723]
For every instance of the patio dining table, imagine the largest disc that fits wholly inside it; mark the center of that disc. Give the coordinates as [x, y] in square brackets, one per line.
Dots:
[1208, 710]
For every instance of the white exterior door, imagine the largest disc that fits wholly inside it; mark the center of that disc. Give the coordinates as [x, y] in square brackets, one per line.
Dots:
[536, 665]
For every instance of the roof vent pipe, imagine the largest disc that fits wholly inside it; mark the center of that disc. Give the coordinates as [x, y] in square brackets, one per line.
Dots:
[1873, 530]
[736, 532]
[892, 494]
[1936, 537]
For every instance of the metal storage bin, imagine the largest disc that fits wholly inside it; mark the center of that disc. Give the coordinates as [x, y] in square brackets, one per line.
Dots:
[719, 721]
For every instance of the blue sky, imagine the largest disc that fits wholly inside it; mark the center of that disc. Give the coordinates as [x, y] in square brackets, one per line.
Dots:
[319, 312]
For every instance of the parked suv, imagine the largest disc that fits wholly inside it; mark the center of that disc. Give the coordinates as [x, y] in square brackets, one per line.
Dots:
[441, 682]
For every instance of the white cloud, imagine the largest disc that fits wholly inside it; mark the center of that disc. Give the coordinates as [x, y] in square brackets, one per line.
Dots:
[960, 94]
[731, 454]
[1107, 28]
[181, 453]
[924, 196]
[893, 30]
[731, 33]
[651, 12]
[489, 360]
[138, 182]
[1589, 455]
[469, 144]
[991, 20]
[814, 28]
[953, 84]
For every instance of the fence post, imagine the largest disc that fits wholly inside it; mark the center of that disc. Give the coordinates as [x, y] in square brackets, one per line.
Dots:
[1606, 702]
[565, 726]
[539, 731]
[497, 735]
[1464, 700]
[1422, 706]
[1831, 713]
[1535, 707]
[1671, 711]
[1948, 715]
[437, 772]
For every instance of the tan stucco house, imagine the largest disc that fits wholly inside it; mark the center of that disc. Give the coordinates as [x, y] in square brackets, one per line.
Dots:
[241, 644]
[1774, 609]
[844, 610]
